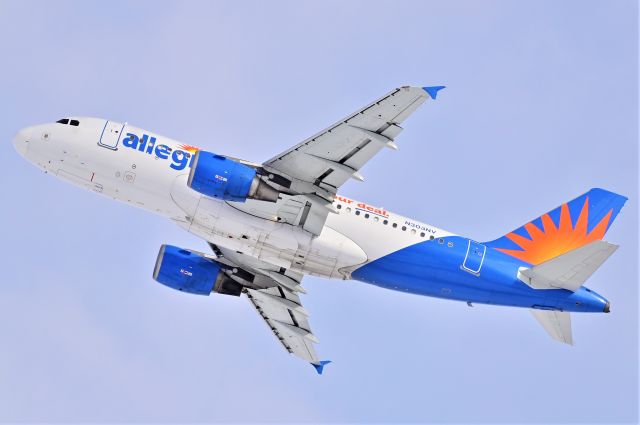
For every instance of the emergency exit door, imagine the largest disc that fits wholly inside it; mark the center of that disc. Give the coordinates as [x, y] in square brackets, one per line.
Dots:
[111, 134]
[475, 257]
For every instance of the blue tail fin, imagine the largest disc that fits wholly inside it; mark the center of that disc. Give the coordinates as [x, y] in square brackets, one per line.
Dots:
[572, 225]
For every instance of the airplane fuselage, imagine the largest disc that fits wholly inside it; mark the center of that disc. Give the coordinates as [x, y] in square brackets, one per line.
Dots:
[359, 241]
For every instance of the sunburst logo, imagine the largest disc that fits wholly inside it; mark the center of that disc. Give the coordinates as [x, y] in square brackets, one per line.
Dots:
[551, 241]
[189, 148]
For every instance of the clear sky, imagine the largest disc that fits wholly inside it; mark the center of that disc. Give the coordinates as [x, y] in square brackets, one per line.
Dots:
[541, 105]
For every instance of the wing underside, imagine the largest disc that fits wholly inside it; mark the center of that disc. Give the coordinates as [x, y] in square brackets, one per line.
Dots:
[332, 156]
[274, 293]
[284, 315]
[317, 167]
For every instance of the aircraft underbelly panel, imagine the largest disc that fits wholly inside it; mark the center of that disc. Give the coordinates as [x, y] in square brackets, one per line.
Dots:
[279, 244]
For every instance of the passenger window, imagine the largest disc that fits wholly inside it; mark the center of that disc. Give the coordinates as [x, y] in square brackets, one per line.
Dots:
[366, 216]
[348, 209]
[63, 121]
[357, 212]
[74, 122]
[385, 222]
[395, 225]
[432, 237]
[339, 206]
[404, 228]
[413, 231]
[376, 218]
[422, 234]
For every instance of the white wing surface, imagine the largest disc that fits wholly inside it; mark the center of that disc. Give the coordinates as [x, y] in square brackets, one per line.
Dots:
[274, 294]
[318, 166]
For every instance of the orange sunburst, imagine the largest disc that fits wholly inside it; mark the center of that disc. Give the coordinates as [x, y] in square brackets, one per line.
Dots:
[189, 148]
[551, 241]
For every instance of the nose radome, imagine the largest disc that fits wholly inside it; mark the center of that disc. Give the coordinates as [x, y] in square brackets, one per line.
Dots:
[21, 141]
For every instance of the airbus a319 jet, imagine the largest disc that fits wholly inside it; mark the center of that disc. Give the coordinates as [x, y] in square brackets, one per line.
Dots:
[269, 224]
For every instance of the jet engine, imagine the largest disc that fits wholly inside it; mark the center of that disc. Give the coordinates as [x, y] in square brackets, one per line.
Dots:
[189, 271]
[224, 178]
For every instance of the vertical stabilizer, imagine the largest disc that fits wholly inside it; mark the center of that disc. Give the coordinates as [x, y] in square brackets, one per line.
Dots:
[570, 226]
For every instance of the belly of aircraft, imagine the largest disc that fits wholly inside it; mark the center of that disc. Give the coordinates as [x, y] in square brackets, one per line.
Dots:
[329, 254]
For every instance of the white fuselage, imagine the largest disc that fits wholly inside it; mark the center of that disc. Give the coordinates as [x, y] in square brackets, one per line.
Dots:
[152, 174]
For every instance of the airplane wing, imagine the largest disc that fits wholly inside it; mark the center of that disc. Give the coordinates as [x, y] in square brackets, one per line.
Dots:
[282, 311]
[275, 297]
[318, 166]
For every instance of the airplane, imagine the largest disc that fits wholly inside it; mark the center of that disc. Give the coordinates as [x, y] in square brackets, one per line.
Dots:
[269, 224]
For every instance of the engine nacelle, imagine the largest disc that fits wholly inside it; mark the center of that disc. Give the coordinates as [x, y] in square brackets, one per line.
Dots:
[189, 271]
[223, 178]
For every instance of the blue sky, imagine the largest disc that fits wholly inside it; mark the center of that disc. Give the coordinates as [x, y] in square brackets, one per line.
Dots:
[541, 105]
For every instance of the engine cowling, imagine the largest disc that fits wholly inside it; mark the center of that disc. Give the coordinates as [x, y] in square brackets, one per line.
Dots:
[189, 271]
[223, 178]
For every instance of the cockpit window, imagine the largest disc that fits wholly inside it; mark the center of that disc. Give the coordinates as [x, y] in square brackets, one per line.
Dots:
[68, 121]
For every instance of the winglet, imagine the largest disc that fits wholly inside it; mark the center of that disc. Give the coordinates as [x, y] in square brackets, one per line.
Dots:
[320, 366]
[433, 91]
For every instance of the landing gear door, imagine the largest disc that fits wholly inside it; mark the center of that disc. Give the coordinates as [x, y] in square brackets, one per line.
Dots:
[474, 258]
[111, 134]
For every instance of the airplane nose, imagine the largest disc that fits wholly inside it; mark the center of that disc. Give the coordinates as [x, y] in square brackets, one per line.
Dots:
[21, 141]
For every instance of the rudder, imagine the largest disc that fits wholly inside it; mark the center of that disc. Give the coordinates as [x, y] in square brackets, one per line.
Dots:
[570, 226]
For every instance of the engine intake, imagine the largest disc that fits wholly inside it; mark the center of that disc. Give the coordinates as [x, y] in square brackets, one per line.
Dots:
[189, 271]
[221, 177]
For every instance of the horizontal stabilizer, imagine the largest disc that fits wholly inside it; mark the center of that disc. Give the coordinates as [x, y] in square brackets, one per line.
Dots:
[568, 271]
[556, 323]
